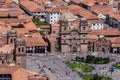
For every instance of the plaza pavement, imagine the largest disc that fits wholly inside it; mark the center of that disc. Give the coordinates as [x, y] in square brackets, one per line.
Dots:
[53, 66]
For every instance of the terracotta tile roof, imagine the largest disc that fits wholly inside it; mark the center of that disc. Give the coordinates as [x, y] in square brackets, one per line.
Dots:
[16, 72]
[43, 1]
[35, 39]
[4, 29]
[92, 36]
[116, 45]
[75, 9]
[84, 13]
[4, 69]
[87, 2]
[2, 42]
[61, 9]
[59, 3]
[2, 23]
[101, 9]
[35, 7]
[106, 10]
[12, 12]
[21, 31]
[30, 25]
[109, 32]
[76, 1]
[7, 49]
[12, 20]
[115, 40]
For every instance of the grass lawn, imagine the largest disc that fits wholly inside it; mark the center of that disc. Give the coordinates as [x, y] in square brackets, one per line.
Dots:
[93, 60]
[42, 31]
[79, 67]
[94, 77]
[38, 23]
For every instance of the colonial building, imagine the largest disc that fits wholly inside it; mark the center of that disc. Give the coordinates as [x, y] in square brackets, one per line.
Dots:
[36, 11]
[99, 45]
[53, 14]
[106, 41]
[70, 34]
[13, 72]
[14, 48]
[94, 22]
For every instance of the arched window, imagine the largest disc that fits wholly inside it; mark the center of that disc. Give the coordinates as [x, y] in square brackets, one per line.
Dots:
[14, 40]
[19, 49]
[84, 28]
[22, 49]
[11, 41]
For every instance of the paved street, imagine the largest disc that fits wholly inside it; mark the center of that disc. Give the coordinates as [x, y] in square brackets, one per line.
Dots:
[51, 66]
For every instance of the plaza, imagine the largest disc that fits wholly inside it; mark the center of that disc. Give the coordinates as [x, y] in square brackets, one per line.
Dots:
[52, 65]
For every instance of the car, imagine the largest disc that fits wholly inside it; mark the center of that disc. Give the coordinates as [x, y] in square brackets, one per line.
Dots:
[49, 68]
[55, 70]
[52, 71]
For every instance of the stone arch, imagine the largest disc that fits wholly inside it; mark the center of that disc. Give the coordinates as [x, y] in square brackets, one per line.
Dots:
[74, 49]
[103, 49]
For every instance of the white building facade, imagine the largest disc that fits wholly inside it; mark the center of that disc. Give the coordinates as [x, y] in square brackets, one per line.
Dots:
[97, 26]
[52, 17]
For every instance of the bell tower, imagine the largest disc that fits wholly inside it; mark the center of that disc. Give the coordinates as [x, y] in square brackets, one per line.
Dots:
[20, 51]
[11, 36]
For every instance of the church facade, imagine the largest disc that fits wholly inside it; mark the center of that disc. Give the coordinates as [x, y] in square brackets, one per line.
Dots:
[70, 34]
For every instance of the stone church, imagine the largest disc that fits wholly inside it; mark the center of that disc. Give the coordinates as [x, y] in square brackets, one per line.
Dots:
[15, 52]
[14, 47]
[69, 34]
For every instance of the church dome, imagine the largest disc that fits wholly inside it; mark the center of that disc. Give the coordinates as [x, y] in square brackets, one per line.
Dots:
[67, 16]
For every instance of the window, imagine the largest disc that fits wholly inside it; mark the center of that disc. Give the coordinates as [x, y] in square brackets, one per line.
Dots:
[64, 36]
[19, 49]
[83, 35]
[53, 31]
[22, 49]
[83, 40]
[11, 41]
[64, 41]
[51, 21]
[14, 40]
[84, 28]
